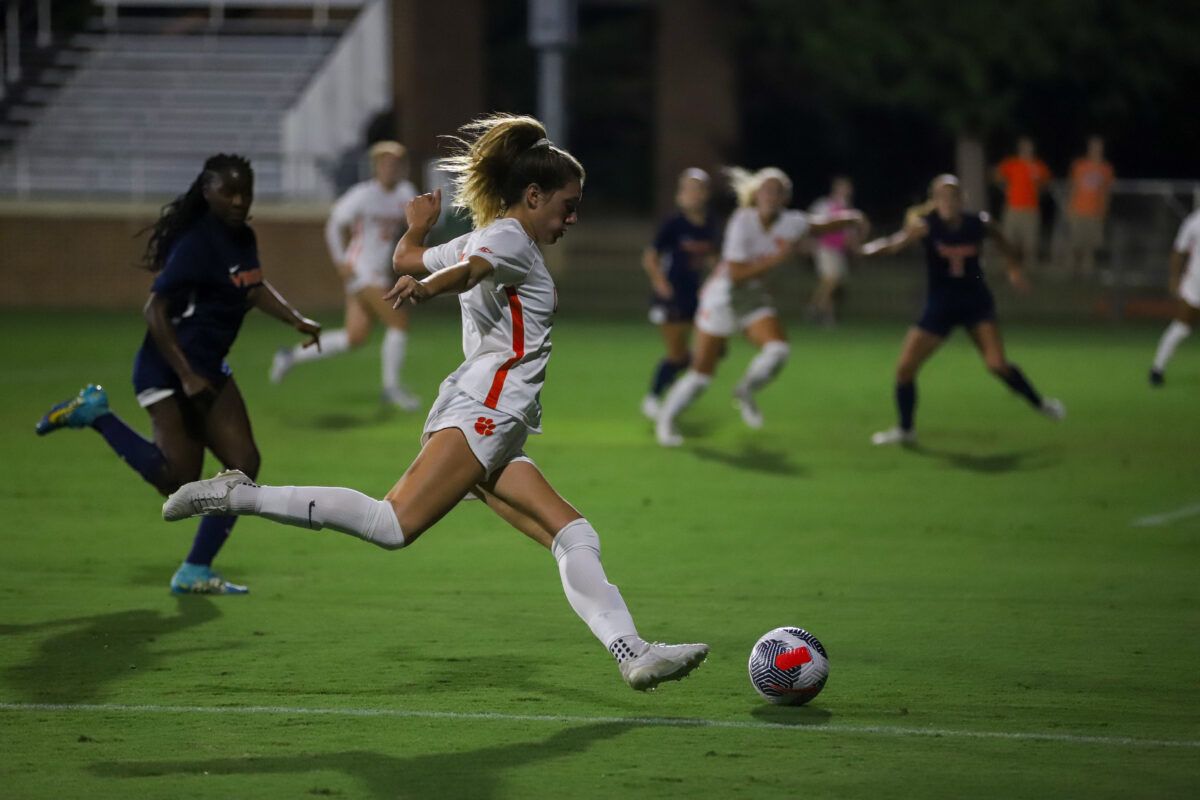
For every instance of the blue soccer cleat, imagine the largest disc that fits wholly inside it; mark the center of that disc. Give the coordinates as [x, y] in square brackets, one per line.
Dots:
[78, 412]
[201, 579]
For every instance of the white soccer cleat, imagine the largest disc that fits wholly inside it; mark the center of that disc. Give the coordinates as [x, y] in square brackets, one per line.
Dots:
[650, 407]
[204, 498]
[744, 401]
[281, 364]
[894, 436]
[662, 662]
[666, 433]
[1053, 408]
[402, 399]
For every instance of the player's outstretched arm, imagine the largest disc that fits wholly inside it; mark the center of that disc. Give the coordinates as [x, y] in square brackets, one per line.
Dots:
[269, 301]
[422, 213]
[452, 280]
[840, 220]
[897, 242]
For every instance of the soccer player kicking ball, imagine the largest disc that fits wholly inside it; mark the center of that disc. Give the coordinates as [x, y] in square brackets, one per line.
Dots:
[523, 193]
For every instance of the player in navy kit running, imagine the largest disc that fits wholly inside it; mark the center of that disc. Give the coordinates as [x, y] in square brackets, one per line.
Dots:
[207, 277]
[957, 295]
[683, 249]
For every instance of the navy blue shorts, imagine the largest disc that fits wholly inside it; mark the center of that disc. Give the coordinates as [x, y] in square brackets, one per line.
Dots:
[680, 308]
[152, 372]
[944, 311]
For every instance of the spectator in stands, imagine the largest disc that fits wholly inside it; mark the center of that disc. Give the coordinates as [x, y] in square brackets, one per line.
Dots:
[363, 228]
[1024, 177]
[1091, 182]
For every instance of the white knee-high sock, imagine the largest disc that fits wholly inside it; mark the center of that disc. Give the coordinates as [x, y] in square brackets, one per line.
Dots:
[598, 603]
[1175, 333]
[332, 343]
[317, 507]
[391, 356]
[765, 366]
[682, 394]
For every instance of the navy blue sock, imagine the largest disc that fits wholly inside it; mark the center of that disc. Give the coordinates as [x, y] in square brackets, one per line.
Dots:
[664, 375]
[1017, 381]
[144, 456]
[211, 534]
[906, 403]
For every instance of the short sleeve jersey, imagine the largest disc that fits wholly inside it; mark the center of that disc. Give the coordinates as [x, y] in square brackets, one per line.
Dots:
[1023, 180]
[1188, 241]
[376, 216]
[206, 280]
[682, 246]
[824, 207]
[953, 254]
[506, 319]
[747, 239]
[1090, 183]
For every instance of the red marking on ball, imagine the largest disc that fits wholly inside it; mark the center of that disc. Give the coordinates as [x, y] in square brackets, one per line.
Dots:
[793, 658]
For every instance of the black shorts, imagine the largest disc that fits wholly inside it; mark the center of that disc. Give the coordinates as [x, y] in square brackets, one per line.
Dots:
[151, 371]
[944, 311]
[680, 308]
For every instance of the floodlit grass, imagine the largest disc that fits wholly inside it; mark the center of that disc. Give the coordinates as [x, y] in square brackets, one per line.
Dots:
[989, 582]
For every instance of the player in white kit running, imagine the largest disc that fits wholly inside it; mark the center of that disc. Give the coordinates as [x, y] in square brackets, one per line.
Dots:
[1184, 282]
[523, 193]
[761, 235]
[361, 234]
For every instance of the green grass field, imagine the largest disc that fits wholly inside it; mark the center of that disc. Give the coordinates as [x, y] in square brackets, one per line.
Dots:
[997, 624]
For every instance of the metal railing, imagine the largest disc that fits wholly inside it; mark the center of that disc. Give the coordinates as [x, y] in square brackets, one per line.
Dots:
[216, 8]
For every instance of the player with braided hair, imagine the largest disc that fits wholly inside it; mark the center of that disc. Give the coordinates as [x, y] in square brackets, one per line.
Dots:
[207, 276]
[523, 193]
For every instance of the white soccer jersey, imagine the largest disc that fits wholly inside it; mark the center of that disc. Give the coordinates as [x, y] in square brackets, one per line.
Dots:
[506, 319]
[1188, 241]
[377, 219]
[746, 240]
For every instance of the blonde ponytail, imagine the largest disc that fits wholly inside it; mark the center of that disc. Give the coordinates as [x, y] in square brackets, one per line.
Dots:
[746, 183]
[498, 157]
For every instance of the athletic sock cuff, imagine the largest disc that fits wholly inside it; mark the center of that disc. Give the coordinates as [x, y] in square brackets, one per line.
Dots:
[573, 535]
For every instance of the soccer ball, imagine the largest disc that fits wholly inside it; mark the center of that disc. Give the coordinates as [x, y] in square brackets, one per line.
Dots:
[788, 666]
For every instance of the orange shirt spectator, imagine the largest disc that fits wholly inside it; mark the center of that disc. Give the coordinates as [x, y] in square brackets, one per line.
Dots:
[1090, 182]
[1023, 179]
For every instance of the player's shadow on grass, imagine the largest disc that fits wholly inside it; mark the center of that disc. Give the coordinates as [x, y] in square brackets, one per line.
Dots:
[790, 715]
[86, 653]
[753, 458]
[344, 422]
[477, 774]
[990, 463]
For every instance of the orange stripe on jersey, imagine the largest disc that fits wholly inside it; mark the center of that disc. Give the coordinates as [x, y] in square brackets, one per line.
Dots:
[518, 325]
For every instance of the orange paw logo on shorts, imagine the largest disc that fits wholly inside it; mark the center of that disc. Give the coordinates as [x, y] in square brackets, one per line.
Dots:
[484, 426]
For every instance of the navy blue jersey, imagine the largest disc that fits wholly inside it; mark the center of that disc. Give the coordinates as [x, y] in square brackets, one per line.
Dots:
[682, 247]
[952, 254]
[206, 280]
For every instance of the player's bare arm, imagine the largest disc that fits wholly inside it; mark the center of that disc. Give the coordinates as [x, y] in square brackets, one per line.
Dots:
[897, 242]
[453, 280]
[269, 301]
[652, 266]
[1014, 269]
[158, 320]
[422, 213]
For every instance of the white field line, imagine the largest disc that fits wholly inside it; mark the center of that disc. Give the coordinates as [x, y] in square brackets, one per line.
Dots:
[663, 722]
[1166, 517]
